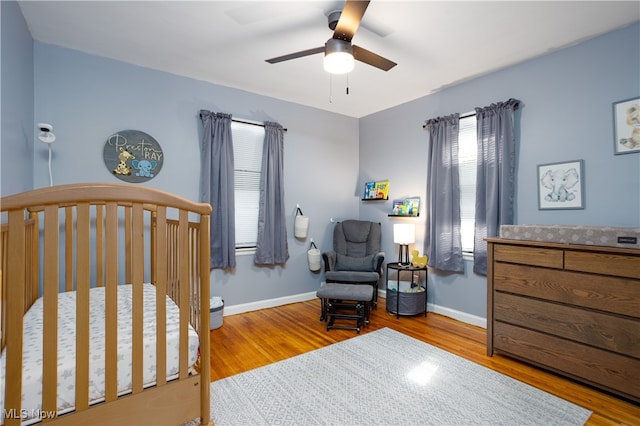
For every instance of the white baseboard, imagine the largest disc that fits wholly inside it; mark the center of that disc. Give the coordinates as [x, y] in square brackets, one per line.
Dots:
[269, 303]
[451, 313]
[303, 297]
[458, 315]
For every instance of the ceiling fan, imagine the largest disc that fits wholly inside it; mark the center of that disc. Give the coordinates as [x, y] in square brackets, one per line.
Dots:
[339, 53]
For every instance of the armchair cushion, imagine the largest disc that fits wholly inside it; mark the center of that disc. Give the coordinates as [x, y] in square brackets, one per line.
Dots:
[353, 277]
[356, 238]
[349, 263]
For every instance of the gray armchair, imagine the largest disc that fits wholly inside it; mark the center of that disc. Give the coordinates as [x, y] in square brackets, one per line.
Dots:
[356, 257]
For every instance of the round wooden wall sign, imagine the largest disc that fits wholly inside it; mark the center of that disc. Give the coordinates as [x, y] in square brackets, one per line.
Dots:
[133, 156]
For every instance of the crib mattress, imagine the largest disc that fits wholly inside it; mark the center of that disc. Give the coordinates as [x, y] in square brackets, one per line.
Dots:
[33, 353]
[574, 234]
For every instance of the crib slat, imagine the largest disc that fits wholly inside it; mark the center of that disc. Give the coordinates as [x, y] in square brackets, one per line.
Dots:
[99, 246]
[4, 236]
[153, 249]
[205, 344]
[33, 264]
[137, 270]
[50, 316]
[194, 283]
[68, 248]
[161, 291]
[15, 310]
[111, 307]
[184, 293]
[127, 244]
[171, 259]
[83, 277]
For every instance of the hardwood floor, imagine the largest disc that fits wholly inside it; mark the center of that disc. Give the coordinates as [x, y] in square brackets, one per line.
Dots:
[258, 338]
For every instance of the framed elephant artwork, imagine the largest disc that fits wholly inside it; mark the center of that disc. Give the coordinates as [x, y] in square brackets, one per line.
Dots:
[561, 185]
[626, 126]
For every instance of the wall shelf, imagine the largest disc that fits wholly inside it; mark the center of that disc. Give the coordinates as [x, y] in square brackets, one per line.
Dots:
[375, 199]
[406, 207]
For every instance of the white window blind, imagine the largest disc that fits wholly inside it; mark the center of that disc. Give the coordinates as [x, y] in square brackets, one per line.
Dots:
[248, 140]
[467, 160]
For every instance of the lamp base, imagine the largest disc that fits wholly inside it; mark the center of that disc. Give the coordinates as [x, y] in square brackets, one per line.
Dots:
[403, 255]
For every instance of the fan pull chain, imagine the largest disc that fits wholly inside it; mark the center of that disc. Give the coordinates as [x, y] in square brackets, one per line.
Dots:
[330, 89]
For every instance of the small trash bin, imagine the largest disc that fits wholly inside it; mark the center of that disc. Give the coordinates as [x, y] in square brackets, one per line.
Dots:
[216, 308]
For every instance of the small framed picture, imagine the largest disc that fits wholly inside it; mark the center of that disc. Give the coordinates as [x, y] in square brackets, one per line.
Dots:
[561, 185]
[626, 126]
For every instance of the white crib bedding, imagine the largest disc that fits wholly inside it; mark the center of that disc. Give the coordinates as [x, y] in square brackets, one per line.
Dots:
[33, 353]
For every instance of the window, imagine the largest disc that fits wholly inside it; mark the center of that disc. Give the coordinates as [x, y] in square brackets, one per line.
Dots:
[467, 160]
[248, 140]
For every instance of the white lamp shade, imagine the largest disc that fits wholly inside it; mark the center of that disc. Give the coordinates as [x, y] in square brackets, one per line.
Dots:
[404, 233]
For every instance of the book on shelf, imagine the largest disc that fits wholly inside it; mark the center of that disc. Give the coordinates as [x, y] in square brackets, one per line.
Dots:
[376, 190]
[406, 206]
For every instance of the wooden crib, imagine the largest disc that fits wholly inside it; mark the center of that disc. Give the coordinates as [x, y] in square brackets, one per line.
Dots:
[73, 242]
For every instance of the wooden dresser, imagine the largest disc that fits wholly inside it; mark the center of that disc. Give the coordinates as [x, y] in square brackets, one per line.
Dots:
[573, 309]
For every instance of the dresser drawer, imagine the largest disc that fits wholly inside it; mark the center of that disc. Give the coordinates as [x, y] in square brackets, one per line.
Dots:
[537, 256]
[603, 263]
[607, 294]
[611, 371]
[610, 332]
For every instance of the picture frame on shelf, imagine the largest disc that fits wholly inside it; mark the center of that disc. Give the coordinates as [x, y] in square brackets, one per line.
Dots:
[561, 185]
[626, 126]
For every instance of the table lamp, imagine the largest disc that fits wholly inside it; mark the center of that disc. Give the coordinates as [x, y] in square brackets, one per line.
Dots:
[404, 234]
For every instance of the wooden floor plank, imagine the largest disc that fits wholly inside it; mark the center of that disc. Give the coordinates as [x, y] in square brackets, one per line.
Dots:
[254, 339]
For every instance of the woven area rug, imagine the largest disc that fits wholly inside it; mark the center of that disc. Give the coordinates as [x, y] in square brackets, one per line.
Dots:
[387, 378]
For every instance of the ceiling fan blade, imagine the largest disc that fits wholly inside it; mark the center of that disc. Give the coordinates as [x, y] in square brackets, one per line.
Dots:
[296, 55]
[350, 18]
[370, 58]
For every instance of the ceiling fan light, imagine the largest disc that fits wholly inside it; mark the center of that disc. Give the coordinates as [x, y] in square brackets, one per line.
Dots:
[338, 63]
[338, 56]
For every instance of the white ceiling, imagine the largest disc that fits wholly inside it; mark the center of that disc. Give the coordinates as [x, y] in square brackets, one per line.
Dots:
[435, 43]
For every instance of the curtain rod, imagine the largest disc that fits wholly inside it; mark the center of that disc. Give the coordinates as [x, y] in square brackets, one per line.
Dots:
[465, 115]
[514, 102]
[250, 122]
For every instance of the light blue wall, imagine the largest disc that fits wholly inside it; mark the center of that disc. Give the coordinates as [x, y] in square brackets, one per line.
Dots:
[566, 114]
[88, 98]
[16, 107]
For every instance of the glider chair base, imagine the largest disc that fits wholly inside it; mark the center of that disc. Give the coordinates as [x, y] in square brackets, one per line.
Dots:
[345, 302]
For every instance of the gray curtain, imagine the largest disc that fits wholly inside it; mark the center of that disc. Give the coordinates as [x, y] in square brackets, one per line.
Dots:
[495, 185]
[442, 243]
[217, 186]
[271, 247]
